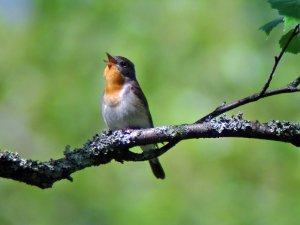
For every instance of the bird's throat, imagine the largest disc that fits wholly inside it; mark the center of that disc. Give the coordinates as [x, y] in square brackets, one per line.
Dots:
[114, 80]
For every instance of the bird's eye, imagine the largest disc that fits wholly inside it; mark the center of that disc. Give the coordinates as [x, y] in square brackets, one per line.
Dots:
[123, 64]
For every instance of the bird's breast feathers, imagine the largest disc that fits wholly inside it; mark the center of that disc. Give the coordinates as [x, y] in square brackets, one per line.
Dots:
[124, 109]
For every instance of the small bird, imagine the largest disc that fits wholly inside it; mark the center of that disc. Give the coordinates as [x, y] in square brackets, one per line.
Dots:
[124, 104]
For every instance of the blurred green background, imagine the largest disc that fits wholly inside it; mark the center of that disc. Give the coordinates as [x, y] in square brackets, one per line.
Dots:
[189, 56]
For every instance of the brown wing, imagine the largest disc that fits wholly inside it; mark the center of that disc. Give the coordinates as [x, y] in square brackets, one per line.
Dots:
[135, 87]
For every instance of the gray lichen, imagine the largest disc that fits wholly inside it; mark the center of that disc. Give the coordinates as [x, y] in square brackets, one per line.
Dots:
[284, 127]
[230, 123]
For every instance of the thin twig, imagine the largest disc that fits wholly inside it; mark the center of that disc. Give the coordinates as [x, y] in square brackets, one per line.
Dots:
[252, 98]
[263, 93]
[278, 58]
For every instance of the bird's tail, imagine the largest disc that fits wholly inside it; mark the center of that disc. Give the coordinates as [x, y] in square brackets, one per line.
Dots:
[157, 169]
[155, 165]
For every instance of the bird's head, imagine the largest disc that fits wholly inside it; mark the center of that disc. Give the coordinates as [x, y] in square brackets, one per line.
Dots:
[115, 64]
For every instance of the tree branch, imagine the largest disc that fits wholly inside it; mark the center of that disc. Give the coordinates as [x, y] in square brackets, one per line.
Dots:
[107, 146]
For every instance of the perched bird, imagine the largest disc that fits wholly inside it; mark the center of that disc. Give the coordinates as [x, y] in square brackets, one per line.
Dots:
[124, 104]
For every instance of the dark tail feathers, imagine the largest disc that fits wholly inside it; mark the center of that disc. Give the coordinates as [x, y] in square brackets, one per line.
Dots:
[157, 169]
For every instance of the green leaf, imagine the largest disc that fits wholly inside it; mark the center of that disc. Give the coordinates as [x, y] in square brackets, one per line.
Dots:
[290, 22]
[287, 7]
[268, 27]
[294, 46]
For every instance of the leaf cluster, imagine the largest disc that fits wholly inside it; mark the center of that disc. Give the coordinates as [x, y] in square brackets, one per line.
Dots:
[289, 16]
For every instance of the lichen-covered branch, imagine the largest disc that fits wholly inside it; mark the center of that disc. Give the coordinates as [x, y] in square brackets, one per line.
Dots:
[107, 146]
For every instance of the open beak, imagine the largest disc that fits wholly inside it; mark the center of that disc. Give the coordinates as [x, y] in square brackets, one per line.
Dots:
[111, 60]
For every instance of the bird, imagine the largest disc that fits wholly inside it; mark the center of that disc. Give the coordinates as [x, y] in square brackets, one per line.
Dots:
[124, 104]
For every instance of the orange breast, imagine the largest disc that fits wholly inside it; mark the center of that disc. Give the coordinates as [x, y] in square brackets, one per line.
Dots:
[114, 84]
